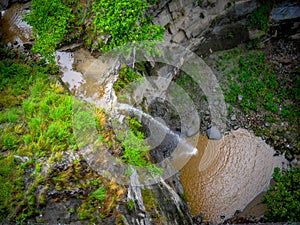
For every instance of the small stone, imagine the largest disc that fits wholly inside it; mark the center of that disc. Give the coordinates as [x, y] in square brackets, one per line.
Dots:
[236, 127]
[267, 124]
[233, 117]
[228, 123]
[213, 133]
[240, 97]
[207, 118]
[9, 46]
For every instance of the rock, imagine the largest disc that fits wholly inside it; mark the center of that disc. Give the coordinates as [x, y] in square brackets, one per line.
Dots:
[285, 12]
[4, 4]
[236, 127]
[233, 117]
[245, 7]
[163, 19]
[179, 37]
[240, 97]
[28, 45]
[213, 133]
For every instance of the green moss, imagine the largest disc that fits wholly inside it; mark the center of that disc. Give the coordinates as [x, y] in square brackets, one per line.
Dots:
[130, 204]
[149, 199]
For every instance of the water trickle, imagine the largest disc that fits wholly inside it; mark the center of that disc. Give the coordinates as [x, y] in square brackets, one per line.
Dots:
[89, 78]
[227, 174]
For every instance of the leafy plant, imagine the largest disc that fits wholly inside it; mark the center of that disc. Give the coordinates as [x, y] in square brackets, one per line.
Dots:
[283, 199]
[135, 150]
[51, 21]
[56, 22]
[99, 194]
[126, 76]
[124, 21]
[130, 204]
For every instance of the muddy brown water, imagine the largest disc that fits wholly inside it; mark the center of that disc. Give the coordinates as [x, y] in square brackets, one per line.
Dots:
[14, 29]
[228, 174]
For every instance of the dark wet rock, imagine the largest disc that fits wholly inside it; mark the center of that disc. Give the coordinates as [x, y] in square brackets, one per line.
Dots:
[236, 127]
[165, 149]
[5, 4]
[213, 133]
[27, 45]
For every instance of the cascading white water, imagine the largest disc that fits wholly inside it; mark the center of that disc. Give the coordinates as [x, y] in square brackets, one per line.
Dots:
[189, 148]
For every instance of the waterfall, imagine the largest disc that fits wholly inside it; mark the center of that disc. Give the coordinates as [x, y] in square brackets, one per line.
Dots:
[189, 149]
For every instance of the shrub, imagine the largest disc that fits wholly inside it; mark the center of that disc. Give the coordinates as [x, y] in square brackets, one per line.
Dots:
[124, 21]
[283, 199]
[51, 21]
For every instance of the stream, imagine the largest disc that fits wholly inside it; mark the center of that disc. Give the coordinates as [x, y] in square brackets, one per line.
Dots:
[219, 178]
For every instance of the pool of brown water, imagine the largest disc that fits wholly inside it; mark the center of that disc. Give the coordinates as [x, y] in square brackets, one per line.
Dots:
[227, 174]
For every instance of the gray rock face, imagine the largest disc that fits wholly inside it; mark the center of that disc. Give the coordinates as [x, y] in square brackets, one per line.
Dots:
[213, 133]
[190, 23]
[285, 12]
[4, 4]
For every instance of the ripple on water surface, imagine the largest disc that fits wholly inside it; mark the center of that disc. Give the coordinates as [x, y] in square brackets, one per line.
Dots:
[227, 174]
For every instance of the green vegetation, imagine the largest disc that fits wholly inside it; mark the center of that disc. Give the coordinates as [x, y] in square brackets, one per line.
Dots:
[36, 129]
[99, 194]
[260, 18]
[135, 148]
[124, 21]
[36, 122]
[149, 199]
[250, 77]
[253, 86]
[200, 3]
[283, 199]
[126, 76]
[109, 24]
[130, 204]
[51, 21]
